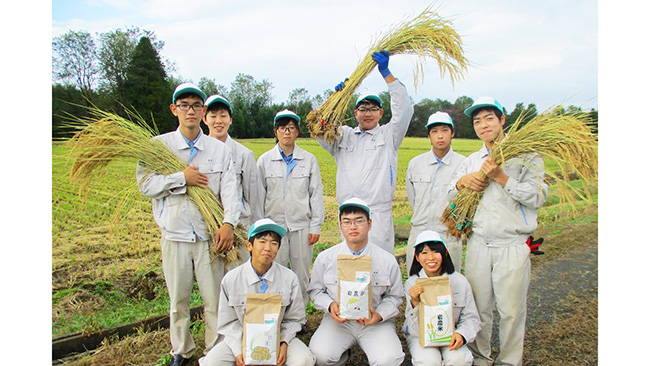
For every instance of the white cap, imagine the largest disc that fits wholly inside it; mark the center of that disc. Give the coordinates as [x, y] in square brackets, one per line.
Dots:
[355, 202]
[439, 117]
[188, 88]
[262, 225]
[428, 236]
[286, 113]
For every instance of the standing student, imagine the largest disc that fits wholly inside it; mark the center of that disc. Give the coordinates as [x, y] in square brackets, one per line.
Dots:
[431, 259]
[427, 179]
[218, 118]
[293, 195]
[184, 238]
[260, 275]
[497, 261]
[366, 156]
[375, 335]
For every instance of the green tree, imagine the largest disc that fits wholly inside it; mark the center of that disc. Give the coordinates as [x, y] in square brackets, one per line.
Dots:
[74, 61]
[252, 109]
[146, 89]
[210, 87]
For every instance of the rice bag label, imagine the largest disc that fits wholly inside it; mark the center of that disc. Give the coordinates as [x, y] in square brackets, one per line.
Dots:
[438, 320]
[435, 322]
[354, 300]
[444, 300]
[261, 344]
[362, 276]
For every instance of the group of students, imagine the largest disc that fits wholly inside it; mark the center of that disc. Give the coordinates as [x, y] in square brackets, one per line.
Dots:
[279, 199]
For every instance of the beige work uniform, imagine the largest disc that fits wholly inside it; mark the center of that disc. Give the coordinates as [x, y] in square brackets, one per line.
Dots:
[367, 165]
[466, 323]
[232, 308]
[497, 261]
[184, 237]
[427, 189]
[379, 341]
[295, 201]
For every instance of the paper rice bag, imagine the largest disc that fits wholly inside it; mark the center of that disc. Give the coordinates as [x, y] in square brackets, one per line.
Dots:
[354, 286]
[261, 338]
[436, 317]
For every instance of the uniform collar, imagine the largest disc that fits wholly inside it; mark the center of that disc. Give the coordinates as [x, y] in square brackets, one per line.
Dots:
[252, 277]
[445, 159]
[297, 153]
[180, 144]
[373, 131]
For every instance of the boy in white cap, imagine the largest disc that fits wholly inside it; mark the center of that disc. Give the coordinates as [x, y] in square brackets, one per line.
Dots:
[497, 261]
[376, 336]
[427, 180]
[292, 193]
[184, 238]
[260, 275]
[218, 118]
[366, 156]
[432, 259]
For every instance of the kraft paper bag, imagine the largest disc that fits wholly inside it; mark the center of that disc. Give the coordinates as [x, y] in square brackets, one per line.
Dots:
[261, 338]
[436, 317]
[354, 286]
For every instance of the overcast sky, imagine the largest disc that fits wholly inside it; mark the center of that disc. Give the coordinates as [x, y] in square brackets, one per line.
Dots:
[542, 52]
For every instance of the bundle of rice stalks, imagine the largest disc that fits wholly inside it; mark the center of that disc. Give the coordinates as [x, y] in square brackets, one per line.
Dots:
[427, 35]
[104, 137]
[563, 138]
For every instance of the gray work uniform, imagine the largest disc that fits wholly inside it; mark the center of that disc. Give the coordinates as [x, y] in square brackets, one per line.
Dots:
[466, 323]
[367, 165]
[379, 341]
[294, 200]
[497, 261]
[184, 237]
[232, 308]
[427, 184]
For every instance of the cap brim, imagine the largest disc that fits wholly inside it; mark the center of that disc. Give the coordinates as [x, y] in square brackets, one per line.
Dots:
[369, 97]
[468, 112]
[292, 116]
[344, 205]
[268, 227]
[189, 90]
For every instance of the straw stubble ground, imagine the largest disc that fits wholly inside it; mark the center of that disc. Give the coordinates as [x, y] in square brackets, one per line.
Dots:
[91, 254]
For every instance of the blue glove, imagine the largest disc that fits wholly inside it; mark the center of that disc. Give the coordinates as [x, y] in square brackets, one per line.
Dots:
[382, 62]
[340, 85]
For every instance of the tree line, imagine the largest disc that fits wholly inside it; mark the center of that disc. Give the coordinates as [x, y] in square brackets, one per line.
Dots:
[123, 69]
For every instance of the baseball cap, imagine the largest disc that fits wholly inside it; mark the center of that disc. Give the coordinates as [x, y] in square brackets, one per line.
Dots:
[286, 113]
[439, 117]
[428, 236]
[263, 225]
[483, 102]
[218, 99]
[187, 88]
[373, 97]
[355, 202]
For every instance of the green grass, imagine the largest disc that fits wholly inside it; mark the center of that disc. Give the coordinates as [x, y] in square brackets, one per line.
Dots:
[98, 245]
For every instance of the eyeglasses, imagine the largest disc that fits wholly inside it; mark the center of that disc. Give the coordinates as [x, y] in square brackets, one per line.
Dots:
[290, 128]
[186, 107]
[357, 222]
[373, 109]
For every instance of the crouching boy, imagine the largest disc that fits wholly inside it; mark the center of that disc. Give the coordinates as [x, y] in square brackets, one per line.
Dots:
[260, 275]
[375, 334]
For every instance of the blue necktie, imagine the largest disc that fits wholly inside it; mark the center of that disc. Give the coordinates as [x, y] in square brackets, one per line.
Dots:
[191, 144]
[289, 160]
[264, 286]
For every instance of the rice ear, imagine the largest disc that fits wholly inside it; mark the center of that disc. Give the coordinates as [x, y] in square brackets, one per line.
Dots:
[426, 36]
[104, 137]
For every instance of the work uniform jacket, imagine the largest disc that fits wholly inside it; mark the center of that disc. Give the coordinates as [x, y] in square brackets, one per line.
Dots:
[507, 215]
[385, 280]
[427, 183]
[367, 160]
[248, 186]
[295, 199]
[466, 318]
[177, 216]
[232, 302]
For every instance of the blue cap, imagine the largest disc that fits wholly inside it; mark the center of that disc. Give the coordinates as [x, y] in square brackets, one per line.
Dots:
[373, 97]
[439, 117]
[263, 225]
[483, 102]
[218, 99]
[286, 113]
[187, 88]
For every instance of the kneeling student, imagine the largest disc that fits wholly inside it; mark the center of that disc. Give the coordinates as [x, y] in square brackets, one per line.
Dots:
[431, 259]
[260, 275]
